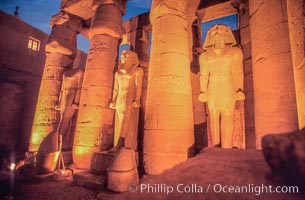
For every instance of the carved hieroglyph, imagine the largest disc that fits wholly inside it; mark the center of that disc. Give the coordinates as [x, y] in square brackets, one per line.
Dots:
[61, 52]
[94, 129]
[221, 79]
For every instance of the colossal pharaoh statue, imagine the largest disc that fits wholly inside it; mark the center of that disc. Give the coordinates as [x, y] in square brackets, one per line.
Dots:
[62, 138]
[221, 82]
[126, 100]
[68, 102]
[122, 171]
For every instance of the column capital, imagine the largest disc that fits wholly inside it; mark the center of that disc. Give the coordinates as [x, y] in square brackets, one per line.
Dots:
[120, 4]
[167, 7]
[70, 21]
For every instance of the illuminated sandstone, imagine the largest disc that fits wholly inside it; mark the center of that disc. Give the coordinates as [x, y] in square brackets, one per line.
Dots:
[274, 91]
[94, 131]
[195, 43]
[126, 100]
[123, 172]
[245, 42]
[68, 104]
[296, 24]
[221, 79]
[169, 126]
[62, 137]
[61, 51]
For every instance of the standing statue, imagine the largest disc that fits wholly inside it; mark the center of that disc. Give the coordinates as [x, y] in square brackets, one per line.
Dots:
[68, 103]
[126, 100]
[122, 171]
[221, 82]
[62, 138]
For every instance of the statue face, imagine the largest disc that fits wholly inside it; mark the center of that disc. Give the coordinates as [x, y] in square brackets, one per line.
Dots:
[124, 58]
[218, 37]
[129, 61]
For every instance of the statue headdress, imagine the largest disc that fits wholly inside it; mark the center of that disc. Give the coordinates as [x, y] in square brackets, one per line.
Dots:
[229, 37]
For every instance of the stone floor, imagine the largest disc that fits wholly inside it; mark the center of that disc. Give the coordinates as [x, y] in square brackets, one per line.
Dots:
[200, 177]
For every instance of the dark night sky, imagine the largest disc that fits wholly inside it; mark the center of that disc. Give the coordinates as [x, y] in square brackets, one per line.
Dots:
[39, 12]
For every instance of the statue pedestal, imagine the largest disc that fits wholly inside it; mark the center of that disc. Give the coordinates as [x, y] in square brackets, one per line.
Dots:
[100, 162]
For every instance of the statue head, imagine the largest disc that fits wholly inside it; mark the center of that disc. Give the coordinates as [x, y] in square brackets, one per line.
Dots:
[218, 36]
[129, 61]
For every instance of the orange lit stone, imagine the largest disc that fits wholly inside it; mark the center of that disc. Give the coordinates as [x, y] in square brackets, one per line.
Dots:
[274, 91]
[195, 43]
[169, 130]
[95, 119]
[61, 51]
[295, 13]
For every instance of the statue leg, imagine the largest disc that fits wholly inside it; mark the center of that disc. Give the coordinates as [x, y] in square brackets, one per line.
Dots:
[64, 131]
[123, 124]
[214, 126]
[227, 128]
[120, 142]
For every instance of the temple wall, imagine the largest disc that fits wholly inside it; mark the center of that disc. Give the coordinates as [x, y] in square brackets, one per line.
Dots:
[23, 66]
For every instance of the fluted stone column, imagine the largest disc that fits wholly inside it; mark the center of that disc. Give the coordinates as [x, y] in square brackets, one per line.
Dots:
[296, 22]
[61, 52]
[169, 131]
[94, 131]
[199, 114]
[274, 91]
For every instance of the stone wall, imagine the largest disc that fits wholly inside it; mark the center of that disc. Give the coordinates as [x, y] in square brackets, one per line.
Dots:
[23, 66]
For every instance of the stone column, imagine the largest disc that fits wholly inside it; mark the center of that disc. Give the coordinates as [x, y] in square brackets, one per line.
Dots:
[296, 22]
[94, 131]
[245, 41]
[169, 125]
[199, 114]
[274, 91]
[61, 50]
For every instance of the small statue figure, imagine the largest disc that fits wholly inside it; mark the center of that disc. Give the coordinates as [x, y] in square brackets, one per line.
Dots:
[69, 102]
[221, 82]
[122, 171]
[126, 100]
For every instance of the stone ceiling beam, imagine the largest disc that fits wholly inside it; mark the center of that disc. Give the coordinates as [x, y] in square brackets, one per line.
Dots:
[216, 11]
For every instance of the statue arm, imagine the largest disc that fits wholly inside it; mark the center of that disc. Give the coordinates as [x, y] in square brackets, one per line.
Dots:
[238, 73]
[115, 91]
[204, 77]
[138, 82]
